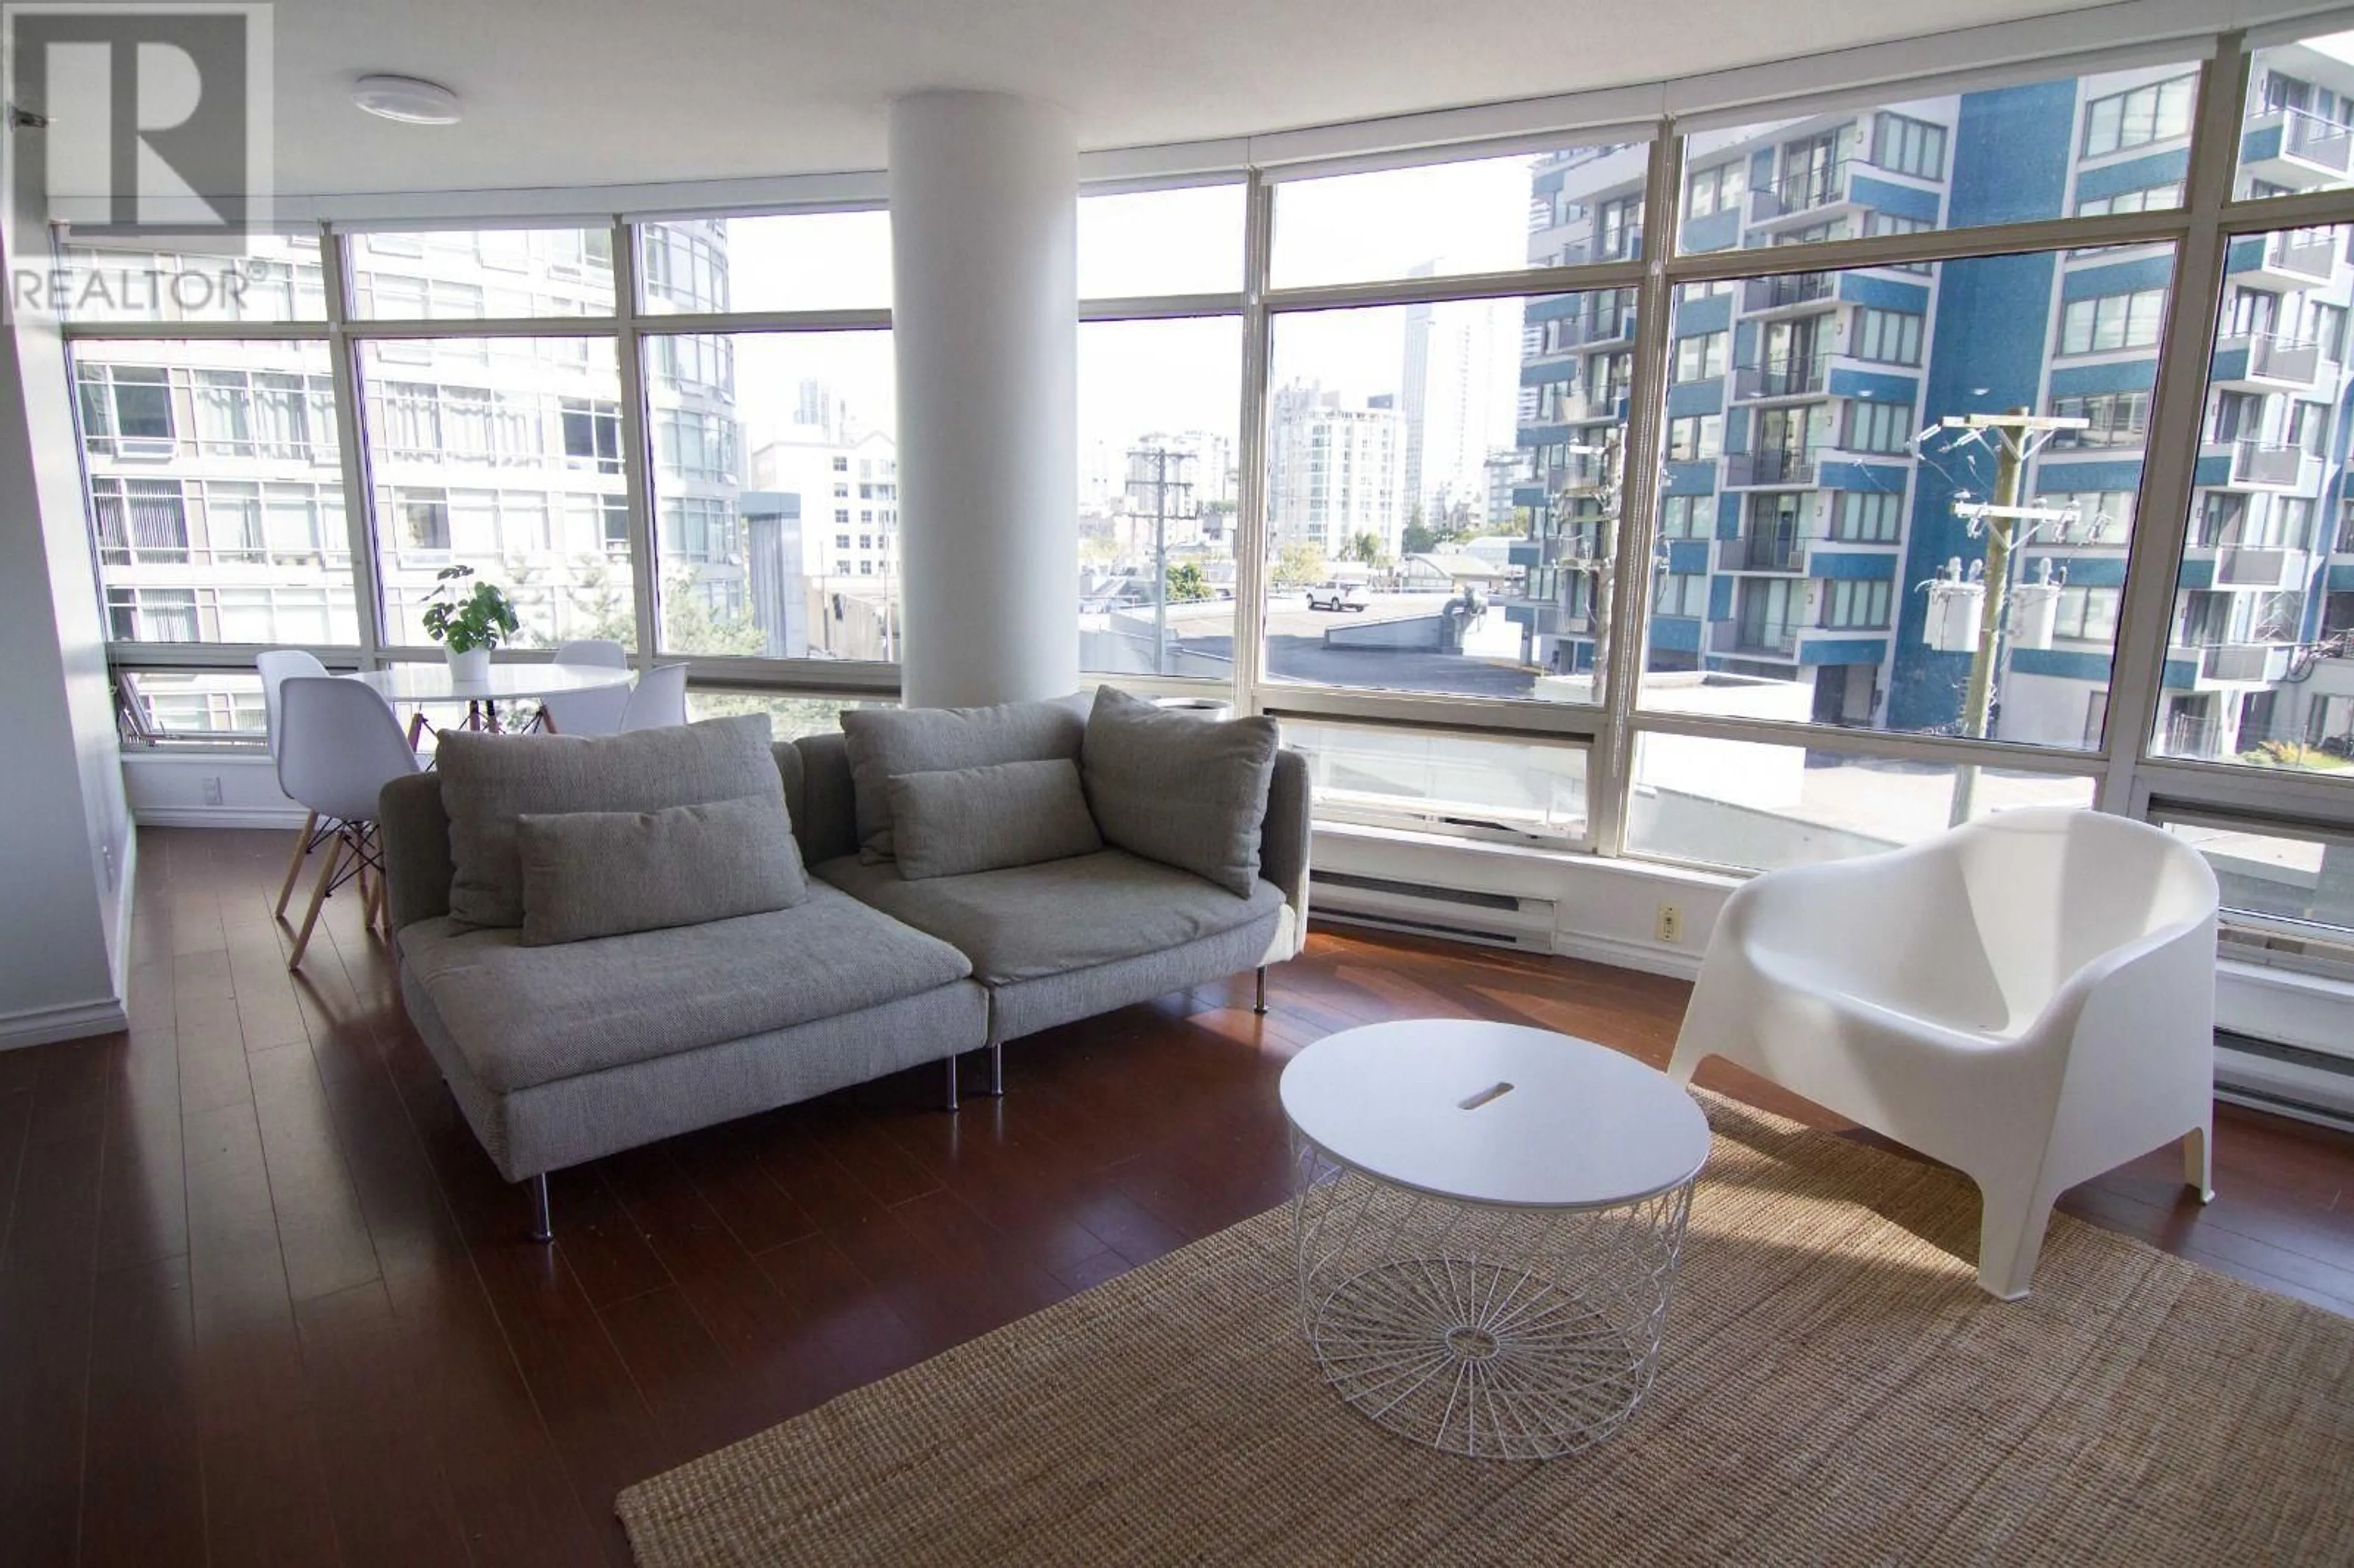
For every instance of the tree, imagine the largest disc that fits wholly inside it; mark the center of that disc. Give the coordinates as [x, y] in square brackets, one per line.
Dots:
[1186, 583]
[1417, 539]
[1298, 564]
[1366, 547]
[690, 624]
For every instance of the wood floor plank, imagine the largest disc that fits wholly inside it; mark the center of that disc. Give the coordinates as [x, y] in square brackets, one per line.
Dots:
[266, 1495]
[322, 1237]
[379, 1447]
[47, 1279]
[143, 1499]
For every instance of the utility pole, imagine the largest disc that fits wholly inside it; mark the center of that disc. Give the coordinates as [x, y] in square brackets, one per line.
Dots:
[1161, 487]
[1602, 489]
[2017, 436]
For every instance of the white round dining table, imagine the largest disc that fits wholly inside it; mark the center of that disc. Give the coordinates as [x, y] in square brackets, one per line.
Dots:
[427, 682]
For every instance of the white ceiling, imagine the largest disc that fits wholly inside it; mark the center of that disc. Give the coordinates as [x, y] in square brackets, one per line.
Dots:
[568, 92]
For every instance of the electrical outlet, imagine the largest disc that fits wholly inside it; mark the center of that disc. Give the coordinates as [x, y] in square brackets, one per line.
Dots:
[1668, 924]
[212, 789]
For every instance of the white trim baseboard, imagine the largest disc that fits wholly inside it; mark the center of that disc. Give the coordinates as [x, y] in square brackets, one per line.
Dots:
[1676, 963]
[218, 817]
[73, 1021]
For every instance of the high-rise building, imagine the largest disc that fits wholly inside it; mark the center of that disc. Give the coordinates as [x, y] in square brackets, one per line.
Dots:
[1334, 473]
[849, 491]
[215, 471]
[1456, 399]
[1801, 506]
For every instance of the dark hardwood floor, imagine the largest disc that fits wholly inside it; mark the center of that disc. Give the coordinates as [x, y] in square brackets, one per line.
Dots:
[262, 1299]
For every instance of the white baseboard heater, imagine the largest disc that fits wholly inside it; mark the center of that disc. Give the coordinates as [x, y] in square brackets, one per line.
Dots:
[1421, 908]
[2290, 1080]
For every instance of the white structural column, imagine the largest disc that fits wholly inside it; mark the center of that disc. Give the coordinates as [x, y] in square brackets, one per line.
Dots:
[984, 311]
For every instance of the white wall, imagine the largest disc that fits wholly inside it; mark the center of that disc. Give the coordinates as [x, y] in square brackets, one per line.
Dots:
[65, 833]
[206, 789]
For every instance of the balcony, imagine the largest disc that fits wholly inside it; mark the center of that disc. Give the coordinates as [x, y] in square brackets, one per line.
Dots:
[1576, 545]
[2263, 361]
[2269, 465]
[2261, 566]
[2298, 258]
[1546, 619]
[1582, 473]
[2296, 148]
[1788, 291]
[1770, 641]
[1755, 469]
[1763, 552]
[2258, 663]
[1799, 195]
[1779, 378]
[1588, 328]
[1584, 245]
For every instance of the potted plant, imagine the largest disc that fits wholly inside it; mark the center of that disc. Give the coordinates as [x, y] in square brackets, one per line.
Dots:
[468, 623]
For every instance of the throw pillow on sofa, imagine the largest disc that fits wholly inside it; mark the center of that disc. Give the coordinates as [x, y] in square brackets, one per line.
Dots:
[1179, 787]
[488, 781]
[948, 822]
[884, 743]
[602, 873]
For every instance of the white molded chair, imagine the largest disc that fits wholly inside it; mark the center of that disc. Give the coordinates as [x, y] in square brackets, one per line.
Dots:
[588, 713]
[658, 699]
[2029, 999]
[340, 746]
[277, 665]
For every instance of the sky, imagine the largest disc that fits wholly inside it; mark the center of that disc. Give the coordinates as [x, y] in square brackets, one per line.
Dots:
[1141, 377]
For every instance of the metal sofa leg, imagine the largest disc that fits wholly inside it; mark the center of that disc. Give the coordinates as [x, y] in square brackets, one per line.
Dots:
[1260, 1006]
[997, 1070]
[952, 1085]
[541, 1228]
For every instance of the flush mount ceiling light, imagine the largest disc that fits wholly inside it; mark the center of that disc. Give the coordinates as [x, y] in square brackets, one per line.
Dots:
[405, 99]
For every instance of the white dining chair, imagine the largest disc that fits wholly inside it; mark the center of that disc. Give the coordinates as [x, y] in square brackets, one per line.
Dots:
[2029, 999]
[657, 700]
[597, 712]
[340, 746]
[277, 665]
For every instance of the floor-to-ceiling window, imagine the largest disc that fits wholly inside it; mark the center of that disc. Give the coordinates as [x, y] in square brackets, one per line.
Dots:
[1776, 484]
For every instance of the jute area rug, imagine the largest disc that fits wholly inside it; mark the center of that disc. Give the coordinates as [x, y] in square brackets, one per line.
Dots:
[1834, 1389]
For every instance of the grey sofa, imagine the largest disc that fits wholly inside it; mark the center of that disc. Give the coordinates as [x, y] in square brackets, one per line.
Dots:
[562, 1053]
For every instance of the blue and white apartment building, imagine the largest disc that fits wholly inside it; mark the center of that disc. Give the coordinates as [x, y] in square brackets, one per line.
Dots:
[1799, 519]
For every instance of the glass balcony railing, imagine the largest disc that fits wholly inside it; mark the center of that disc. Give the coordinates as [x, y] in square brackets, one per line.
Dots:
[1776, 639]
[1770, 468]
[1778, 378]
[1787, 289]
[1764, 551]
[1804, 191]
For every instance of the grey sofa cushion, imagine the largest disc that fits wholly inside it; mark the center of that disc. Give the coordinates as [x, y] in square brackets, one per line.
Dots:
[1178, 788]
[884, 742]
[532, 1015]
[602, 873]
[980, 819]
[1026, 921]
[490, 781]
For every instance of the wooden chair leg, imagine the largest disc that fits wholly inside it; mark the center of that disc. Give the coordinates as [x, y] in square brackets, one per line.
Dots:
[335, 848]
[294, 865]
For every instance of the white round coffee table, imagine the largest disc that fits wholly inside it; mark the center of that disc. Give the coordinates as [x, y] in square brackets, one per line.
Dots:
[1488, 1220]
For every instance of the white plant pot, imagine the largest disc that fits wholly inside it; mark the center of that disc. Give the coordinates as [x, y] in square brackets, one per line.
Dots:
[471, 667]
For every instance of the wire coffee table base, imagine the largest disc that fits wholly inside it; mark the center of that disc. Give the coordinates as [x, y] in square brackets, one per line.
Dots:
[1492, 1331]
